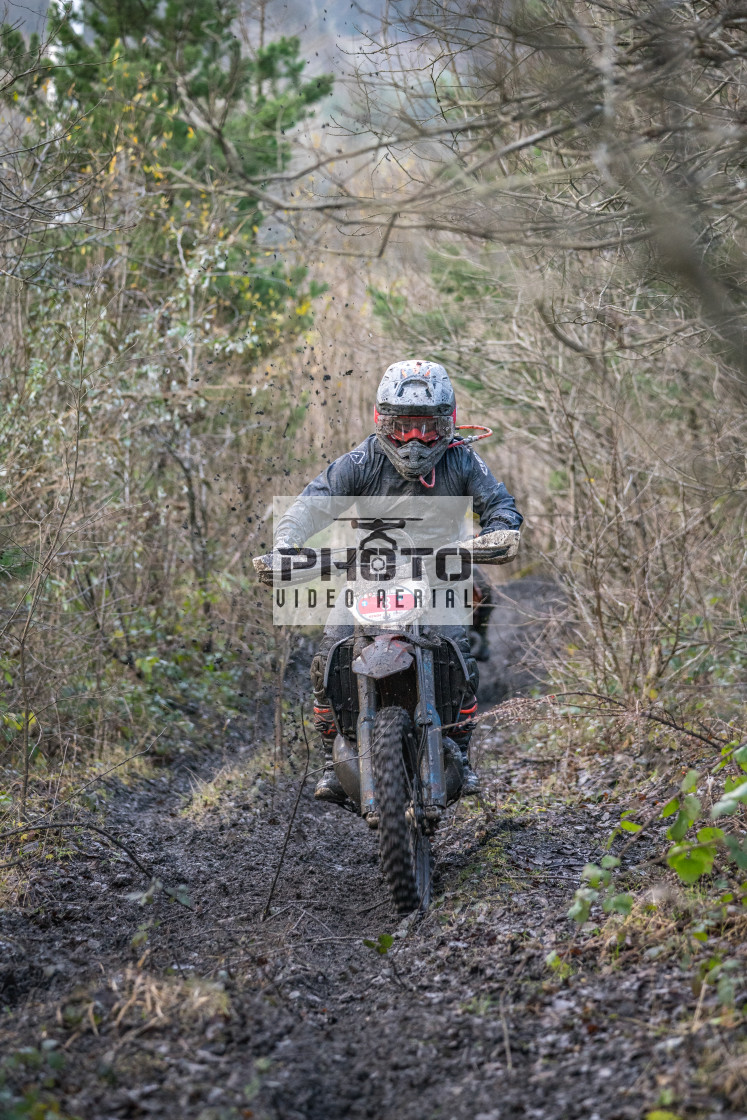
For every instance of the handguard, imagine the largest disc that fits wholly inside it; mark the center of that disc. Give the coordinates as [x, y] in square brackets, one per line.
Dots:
[499, 546]
[297, 565]
[293, 563]
[263, 568]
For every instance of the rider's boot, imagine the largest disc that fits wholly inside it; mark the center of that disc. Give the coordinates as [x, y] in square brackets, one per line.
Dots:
[328, 787]
[462, 735]
[470, 781]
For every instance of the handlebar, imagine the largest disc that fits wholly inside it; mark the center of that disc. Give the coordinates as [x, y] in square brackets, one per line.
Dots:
[499, 546]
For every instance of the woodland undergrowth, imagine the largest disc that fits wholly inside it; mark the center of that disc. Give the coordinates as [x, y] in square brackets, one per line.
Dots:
[567, 238]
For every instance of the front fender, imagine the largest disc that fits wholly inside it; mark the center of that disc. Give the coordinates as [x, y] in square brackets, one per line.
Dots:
[385, 656]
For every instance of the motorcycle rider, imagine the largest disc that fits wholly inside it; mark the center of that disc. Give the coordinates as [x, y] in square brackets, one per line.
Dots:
[415, 445]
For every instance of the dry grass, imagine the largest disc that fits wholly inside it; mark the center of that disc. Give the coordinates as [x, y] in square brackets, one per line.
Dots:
[141, 996]
[136, 1001]
[232, 784]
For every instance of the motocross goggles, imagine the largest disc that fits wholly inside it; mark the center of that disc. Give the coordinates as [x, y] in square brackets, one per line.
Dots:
[405, 429]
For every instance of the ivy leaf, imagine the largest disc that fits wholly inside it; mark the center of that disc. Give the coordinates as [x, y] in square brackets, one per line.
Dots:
[618, 904]
[581, 906]
[729, 803]
[147, 896]
[737, 849]
[691, 805]
[671, 807]
[180, 895]
[689, 782]
[740, 757]
[382, 945]
[725, 990]
[710, 835]
[691, 861]
[595, 875]
[141, 935]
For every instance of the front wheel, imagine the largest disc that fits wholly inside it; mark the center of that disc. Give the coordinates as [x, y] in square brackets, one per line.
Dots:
[404, 848]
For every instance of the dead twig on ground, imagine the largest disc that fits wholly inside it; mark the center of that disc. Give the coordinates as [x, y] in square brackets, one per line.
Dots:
[266, 911]
[506, 1041]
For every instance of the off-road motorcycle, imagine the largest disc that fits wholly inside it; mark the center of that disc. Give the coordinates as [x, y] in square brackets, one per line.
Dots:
[396, 687]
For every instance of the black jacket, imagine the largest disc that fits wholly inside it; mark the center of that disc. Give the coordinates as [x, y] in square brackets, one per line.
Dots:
[367, 471]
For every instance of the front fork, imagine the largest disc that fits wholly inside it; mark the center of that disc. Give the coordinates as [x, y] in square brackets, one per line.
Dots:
[428, 730]
[428, 724]
[367, 714]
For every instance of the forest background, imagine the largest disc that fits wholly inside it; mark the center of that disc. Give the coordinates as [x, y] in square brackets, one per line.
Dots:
[213, 239]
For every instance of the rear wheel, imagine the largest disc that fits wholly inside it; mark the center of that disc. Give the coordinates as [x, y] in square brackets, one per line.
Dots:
[405, 850]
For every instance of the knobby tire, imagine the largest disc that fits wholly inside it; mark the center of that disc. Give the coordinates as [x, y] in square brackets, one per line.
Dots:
[404, 849]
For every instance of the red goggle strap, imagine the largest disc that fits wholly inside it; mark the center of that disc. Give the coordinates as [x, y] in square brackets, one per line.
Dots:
[470, 427]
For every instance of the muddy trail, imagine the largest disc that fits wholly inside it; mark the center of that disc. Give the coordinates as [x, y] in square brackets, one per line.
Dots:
[124, 999]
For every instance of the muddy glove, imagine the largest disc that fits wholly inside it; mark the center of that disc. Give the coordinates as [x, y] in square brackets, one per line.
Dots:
[268, 566]
[496, 545]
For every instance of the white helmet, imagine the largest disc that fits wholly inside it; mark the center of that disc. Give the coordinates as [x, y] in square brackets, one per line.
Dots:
[415, 416]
